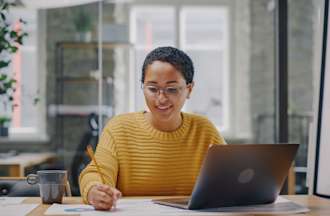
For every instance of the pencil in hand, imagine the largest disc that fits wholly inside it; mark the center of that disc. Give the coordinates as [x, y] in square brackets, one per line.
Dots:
[115, 193]
[90, 153]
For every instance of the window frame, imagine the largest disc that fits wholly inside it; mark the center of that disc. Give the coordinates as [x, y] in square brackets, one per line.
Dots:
[37, 132]
[228, 130]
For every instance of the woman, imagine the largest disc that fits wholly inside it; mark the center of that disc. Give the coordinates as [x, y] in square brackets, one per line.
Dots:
[155, 152]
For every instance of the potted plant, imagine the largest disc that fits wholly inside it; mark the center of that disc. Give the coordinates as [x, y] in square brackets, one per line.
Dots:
[4, 124]
[83, 24]
[10, 40]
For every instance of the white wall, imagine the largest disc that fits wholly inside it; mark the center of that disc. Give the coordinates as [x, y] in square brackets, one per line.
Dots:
[322, 138]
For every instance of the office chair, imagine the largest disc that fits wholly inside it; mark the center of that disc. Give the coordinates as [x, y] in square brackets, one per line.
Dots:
[80, 159]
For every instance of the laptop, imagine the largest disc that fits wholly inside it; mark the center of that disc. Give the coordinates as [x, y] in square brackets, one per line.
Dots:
[238, 174]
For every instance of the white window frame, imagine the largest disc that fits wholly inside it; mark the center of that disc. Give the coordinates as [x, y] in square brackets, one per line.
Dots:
[226, 128]
[135, 75]
[38, 132]
[225, 48]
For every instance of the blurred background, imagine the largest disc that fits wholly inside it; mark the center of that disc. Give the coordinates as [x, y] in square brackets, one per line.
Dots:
[80, 64]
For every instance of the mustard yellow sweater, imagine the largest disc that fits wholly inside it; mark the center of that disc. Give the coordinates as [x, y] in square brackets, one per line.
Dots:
[141, 160]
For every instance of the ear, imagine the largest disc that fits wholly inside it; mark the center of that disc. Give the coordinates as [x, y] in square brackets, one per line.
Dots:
[190, 88]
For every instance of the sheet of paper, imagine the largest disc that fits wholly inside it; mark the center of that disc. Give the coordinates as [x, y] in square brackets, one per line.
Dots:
[145, 207]
[125, 207]
[69, 209]
[11, 200]
[16, 209]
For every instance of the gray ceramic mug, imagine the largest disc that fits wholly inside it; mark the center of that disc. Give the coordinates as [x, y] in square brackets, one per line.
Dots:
[52, 184]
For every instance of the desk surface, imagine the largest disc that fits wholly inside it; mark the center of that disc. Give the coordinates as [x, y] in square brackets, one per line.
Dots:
[26, 159]
[318, 206]
[19, 162]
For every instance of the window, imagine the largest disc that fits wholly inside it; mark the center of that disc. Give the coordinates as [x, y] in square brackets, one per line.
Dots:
[26, 118]
[204, 36]
[150, 27]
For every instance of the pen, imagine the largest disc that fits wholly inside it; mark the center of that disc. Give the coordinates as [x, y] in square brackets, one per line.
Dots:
[91, 155]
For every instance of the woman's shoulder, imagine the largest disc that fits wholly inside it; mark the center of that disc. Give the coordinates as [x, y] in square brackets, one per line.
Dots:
[203, 125]
[122, 120]
[200, 122]
[196, 118]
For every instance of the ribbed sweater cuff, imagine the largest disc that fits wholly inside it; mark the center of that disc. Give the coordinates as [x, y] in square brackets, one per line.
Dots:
[86, 189]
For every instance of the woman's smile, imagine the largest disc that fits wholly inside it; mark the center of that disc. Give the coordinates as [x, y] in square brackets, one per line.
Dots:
[163, 107]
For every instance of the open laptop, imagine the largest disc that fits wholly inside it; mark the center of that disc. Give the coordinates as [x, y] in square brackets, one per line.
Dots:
[238, 174]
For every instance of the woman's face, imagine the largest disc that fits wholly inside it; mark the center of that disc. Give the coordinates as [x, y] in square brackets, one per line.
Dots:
[165, 91]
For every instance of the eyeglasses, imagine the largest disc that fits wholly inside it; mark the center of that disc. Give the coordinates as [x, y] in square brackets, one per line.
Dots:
[168, 91]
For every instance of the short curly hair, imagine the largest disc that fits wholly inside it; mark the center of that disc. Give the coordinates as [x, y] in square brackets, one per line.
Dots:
[177, 58]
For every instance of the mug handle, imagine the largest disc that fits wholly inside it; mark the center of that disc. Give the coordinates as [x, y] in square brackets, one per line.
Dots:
[32, 179]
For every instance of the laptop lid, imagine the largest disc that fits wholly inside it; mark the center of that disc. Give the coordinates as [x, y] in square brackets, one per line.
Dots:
[240, 174]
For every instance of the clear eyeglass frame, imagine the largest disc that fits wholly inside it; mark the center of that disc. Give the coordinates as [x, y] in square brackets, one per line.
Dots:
[169, 91]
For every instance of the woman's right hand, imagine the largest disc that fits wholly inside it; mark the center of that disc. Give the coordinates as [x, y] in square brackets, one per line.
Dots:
[103, 197]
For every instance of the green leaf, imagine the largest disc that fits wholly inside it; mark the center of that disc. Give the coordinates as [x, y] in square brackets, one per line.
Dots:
[36, 101]
[3, 120]
[13, 49]
[3, 17]
[19, 41]
[3, 77]
[13, 34]
[3, 32]
[22, 21]
[12, 81]
[5, 6]
[4, 64]
[7, 85]
[9, 37]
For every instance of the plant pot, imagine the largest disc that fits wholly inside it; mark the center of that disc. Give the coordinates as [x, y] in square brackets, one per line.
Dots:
[83, 36]
[3, 131]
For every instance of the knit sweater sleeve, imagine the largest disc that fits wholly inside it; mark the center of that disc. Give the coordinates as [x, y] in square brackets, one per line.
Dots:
[106, 157]
[217, 138]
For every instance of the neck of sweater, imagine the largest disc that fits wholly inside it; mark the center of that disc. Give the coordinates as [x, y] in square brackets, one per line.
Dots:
[164, 135]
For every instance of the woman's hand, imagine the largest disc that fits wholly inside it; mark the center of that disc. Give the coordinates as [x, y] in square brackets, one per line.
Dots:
[103, 197]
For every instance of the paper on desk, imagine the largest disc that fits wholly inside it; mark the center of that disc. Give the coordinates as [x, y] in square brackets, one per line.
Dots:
[16, 209]
[145, 207]
[125, 207]
[69, 209]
